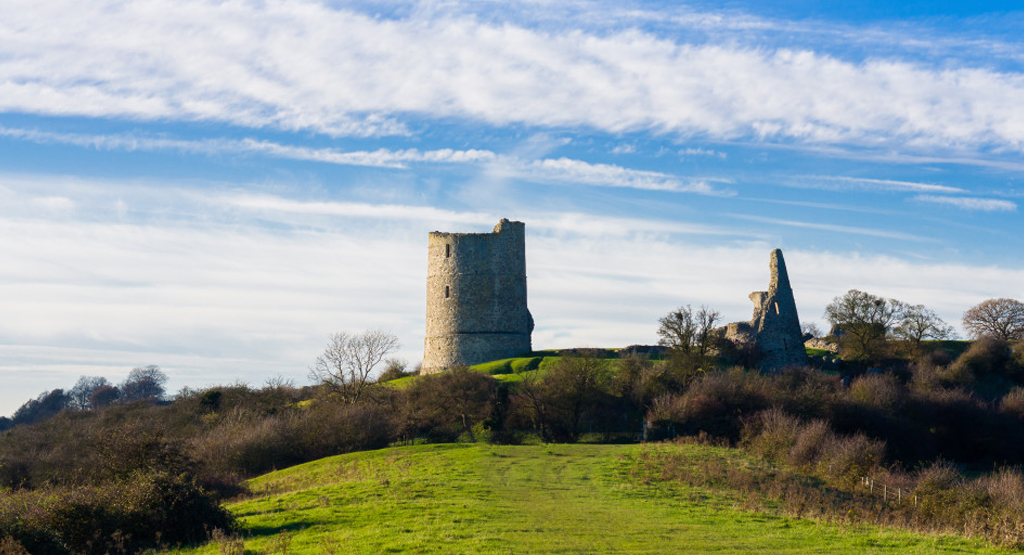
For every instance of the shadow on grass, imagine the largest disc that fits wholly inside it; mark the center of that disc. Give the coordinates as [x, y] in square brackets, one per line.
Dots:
[267, 531]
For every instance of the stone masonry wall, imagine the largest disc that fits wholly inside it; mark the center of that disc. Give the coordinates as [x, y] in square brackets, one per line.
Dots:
[775, 320]
[476, 297]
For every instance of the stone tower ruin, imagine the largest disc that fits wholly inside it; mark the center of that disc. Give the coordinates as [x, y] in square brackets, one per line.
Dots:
[775, 321]
[476, 297]
[775, 327]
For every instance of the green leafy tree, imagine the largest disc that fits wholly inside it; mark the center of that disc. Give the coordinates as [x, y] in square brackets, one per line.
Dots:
[863, 322]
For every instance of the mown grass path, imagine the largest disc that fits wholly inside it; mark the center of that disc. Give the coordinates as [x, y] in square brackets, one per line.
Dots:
[563, 499]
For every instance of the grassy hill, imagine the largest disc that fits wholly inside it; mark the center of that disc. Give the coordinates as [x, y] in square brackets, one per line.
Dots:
[517, 368]
[458, 498]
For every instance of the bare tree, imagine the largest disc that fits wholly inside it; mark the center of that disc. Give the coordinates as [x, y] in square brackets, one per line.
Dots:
[459, 396]
[572, 386]
[531, 394]
[80, 396]
[347, 362]
[810, 328]
[918, 323]
[999, 318]
[144, 383]
[687, 331]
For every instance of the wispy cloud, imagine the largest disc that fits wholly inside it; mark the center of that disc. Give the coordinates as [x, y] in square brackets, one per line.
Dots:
[307, 66]
[703, 152]
[382, 158]
[565, 170]
[271, 203]
[835, 228]
[540, 220]
[837, 182]
[558, 170]
[970, 203]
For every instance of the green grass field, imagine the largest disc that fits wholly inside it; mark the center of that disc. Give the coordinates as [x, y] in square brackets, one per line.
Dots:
[459, 498]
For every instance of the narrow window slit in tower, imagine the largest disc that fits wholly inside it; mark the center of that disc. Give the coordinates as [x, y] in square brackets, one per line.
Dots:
[447, 291]
[448, 250]
[776, 308]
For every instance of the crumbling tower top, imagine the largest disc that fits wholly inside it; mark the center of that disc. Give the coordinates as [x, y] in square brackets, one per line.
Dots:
[476, 297]
[775, 319]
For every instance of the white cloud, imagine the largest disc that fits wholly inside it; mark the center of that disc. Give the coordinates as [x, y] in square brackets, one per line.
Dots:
[702, 152]
[276, 208]
[970, 203]
[303, 65]
[270, 203]
[381, 158]
[869, 232]
[565, 170]
[558, 171]
[834, 182]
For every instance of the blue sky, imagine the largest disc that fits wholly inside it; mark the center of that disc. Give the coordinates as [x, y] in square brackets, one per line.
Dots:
[214, 187]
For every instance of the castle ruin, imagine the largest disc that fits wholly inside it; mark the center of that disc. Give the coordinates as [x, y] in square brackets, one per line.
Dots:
[476, 297]
[775, 327]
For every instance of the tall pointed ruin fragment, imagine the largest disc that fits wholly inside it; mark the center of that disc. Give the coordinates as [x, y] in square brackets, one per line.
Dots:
[775, 320]
[774, 331]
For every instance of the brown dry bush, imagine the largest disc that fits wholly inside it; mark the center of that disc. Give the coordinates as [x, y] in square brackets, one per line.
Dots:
[813, 447]
[1006, 487]
[845, 459]
[812, 439]
[11, 546]
[880, 391]
[805, 391]
[937, 498]
[988, 356]
[1013, 403]
[716, 403]
[773, 434]
[247, 444]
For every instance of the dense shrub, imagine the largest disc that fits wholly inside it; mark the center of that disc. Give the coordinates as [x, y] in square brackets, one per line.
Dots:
[1012, 403]
[715, 403]
[574, 396]
[246, 444]
[145, 511]
[813, 447]
[11, 546]
[879, 391]
[989, 356]
[937, 498]
[454, 402]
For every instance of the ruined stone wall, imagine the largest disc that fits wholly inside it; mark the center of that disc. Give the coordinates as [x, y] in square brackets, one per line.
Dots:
[476, 297]
[774, 328]
[775, 320]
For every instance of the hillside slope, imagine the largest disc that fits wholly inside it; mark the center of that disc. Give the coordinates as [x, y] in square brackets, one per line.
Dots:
[525, 499]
